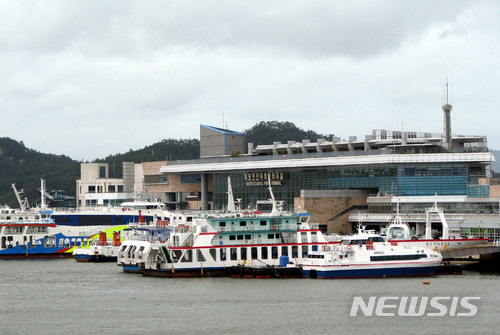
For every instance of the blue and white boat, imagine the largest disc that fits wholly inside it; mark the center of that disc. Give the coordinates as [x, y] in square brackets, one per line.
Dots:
[367, 254]
[42, 232]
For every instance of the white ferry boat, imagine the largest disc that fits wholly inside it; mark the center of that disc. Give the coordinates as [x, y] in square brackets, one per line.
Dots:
[207, 245]
[137, 242]
[100, 249]
[398, 233]
[367, 254]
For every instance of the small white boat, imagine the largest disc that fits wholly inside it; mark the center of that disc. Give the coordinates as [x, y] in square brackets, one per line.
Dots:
[99, 250]
[367, 254]
[137, 242]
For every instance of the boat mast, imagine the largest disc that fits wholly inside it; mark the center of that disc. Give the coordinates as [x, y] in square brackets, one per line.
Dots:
[230, 197]
[42, 193]
[273, 200]
[23, 203]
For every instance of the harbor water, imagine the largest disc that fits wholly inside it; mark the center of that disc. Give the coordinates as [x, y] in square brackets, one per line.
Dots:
[65, 297]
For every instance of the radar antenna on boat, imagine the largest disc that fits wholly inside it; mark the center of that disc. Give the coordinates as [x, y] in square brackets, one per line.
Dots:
[397, 223]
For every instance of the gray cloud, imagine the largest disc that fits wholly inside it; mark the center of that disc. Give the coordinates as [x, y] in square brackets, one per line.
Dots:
[88, 79]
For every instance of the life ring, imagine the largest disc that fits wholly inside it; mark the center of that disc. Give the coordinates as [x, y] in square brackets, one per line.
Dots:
[349, 247]
[324, 247]
[222, 229]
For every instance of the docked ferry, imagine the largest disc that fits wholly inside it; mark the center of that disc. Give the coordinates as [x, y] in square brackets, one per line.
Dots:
[207, 245]
[137, 242]
[366, 254]
[45, 233]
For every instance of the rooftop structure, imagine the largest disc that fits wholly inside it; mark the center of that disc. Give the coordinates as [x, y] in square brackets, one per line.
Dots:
[217, 142]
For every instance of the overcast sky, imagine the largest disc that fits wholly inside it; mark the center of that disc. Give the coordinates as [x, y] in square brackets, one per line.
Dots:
[88, 79]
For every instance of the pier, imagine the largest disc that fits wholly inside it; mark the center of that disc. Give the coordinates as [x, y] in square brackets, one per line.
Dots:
[484, 257]
[485, 252]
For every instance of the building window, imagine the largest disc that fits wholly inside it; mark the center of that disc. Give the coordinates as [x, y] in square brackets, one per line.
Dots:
[91, 189]
[111, 188]
[102, 172]
[191, 179]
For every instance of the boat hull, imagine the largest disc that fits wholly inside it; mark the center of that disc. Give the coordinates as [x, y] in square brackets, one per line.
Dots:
[370, 272]
[264, 272]
[95, 258]
[186, 273]
[132, 268]
[36, 256]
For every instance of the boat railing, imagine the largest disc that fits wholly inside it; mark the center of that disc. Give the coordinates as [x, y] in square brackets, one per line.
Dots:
[34, 221]
[257, 228]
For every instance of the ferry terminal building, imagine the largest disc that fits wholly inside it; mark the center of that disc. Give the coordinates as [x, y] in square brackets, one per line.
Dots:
[339, 182]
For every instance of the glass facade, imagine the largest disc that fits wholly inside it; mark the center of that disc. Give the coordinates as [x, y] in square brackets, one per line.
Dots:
[402, 180]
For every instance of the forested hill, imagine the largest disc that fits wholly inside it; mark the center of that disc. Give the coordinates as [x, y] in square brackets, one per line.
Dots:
[274, 131]
[169, 149]
[25, 167]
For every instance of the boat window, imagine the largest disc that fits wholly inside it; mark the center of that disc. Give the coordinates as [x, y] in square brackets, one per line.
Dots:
[222, 254]
[274, 252]
[199, 256]
[270, 236]
[188, 256]
[243, 253]
[239, 237]
[305, 250]
[232, 237]
[248, 237]
[222, 224]
[376, 239]
[397, 257]
[243, 223]
[263, 223]
[213, 254]
[234, 254]
[303, 237]
[356, 242]
[295, 251]
[263, 252]
[284, 251]
[176, 254]
[254, 252]
[139, 253]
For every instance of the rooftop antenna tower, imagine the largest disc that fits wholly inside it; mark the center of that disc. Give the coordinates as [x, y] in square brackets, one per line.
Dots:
[447, 120]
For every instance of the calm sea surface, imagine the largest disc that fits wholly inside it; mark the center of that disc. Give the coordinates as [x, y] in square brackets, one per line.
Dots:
[65, 297]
